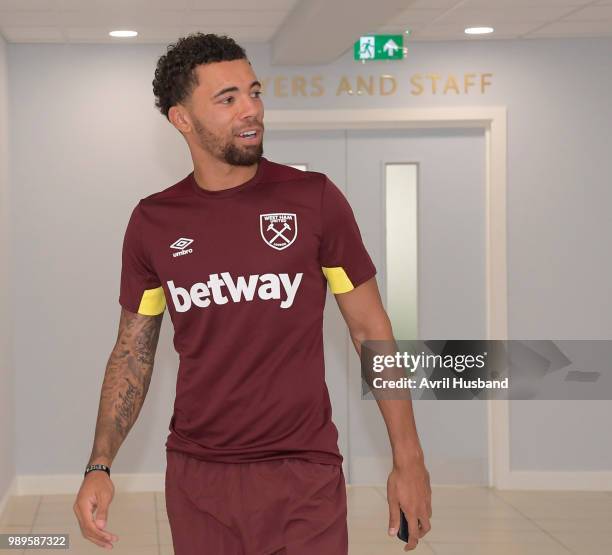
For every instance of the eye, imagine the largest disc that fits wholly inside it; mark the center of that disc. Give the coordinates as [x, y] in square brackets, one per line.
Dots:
[256, 93]
[227, 100]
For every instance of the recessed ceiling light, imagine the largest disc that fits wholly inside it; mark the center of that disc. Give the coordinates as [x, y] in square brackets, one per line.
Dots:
[123, 34]
[478, 30]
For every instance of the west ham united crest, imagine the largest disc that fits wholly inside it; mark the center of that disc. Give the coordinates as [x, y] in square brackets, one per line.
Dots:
[278, 230]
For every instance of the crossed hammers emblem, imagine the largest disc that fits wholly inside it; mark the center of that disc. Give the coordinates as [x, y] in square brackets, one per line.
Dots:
[278, 229]
[278, 233]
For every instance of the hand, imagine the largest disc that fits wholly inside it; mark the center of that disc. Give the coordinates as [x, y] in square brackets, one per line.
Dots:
[408, 487]
[97, 491]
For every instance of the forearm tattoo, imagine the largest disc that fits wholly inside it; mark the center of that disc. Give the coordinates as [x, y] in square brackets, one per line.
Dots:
[126, 382]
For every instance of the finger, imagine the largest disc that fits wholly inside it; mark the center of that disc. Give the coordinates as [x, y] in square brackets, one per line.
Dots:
[100, 526]
[408, 547]
[394, 518]
[105, 534]
[105, 544]
[91, 533]
[102, 512]
[110, 536]
[95, 534]
[425, 525]
[88, 527]
[101, 518]
[413, 530]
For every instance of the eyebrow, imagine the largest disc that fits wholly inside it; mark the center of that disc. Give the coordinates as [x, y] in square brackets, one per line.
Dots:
[234, 89]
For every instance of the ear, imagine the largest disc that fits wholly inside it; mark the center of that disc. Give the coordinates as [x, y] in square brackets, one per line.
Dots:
[179, 117]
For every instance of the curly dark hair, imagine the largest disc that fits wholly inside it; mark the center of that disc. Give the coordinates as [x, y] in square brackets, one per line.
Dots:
[175, 77]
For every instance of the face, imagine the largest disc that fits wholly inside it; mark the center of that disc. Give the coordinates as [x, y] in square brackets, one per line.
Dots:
[226, 112]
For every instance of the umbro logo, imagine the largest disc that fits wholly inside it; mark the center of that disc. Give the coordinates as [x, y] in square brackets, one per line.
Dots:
[181, 245]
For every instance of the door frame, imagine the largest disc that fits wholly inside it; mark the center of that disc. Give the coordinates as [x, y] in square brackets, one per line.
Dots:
[493, 120]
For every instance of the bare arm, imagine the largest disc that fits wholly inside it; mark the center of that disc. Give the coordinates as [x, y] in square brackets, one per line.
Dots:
[125, 386]
[408, 485]
[366, 318]
[126, 382]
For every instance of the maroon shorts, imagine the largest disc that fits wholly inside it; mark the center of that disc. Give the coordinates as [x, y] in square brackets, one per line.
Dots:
[278, 507]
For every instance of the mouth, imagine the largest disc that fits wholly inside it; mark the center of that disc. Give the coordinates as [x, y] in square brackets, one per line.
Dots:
[250, 135]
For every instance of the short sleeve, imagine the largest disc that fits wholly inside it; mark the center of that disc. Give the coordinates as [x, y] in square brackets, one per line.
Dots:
[140, 289]
[345, 262]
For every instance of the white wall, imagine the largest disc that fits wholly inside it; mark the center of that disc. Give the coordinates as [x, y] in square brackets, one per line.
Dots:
[87, 143]
[7, 409]
[88, 147]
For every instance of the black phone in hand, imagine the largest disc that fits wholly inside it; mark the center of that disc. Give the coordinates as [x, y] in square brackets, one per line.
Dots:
[402, 533]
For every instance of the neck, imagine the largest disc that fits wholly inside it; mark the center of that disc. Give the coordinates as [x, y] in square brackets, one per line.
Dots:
[215, 175]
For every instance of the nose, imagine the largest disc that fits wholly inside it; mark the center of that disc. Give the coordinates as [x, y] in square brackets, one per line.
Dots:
[250, 108]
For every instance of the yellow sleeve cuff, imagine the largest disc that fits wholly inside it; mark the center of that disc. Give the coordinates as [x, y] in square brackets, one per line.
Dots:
[338, 281]
[153, 302]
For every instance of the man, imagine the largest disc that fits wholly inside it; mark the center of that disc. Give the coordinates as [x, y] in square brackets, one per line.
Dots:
[240, 252]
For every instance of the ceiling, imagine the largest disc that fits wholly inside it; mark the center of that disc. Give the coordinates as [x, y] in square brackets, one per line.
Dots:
[300, 31]
[512, 19]
[155, 20]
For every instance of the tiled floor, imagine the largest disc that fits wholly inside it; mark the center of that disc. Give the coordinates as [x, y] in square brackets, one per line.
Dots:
[466, 521]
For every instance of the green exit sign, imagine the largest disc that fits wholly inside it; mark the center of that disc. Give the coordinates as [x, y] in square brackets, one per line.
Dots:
[379, 47]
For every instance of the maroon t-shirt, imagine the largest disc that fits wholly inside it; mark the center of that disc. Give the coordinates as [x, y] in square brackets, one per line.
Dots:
[243, 273]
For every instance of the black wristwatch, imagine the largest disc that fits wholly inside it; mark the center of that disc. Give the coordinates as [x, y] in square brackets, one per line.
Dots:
[92, 467]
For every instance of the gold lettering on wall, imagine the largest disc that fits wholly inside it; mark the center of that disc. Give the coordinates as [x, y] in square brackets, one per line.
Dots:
[344, 86]
[434, 78]
[467, 81]
[451, 83]
[317, 85]
[483, 81]
[427, 83]
[418, 84]
[388, 85]
[295, 86]
[280, 86]
[363, 85]
[298, 86]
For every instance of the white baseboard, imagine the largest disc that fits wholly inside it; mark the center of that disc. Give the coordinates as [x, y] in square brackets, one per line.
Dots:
[536, 481]
[12, 490]
[30, 484]
[560, 481]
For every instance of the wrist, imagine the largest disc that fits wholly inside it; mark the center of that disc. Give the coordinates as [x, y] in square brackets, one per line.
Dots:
[407, 456]
[100, 459]
[97, 468]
